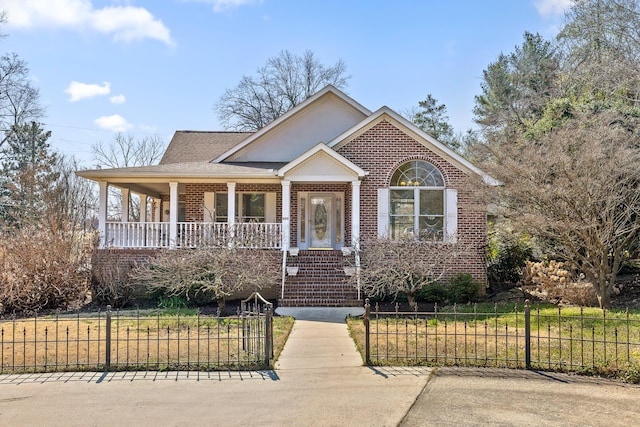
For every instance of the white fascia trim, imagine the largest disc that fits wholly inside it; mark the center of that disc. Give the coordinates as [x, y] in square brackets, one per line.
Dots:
[329, 88]
[439, 147]
[316, 149]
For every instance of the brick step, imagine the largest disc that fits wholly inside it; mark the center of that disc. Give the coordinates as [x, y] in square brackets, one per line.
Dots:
[319, 302]
[320, 294]
[317, 292]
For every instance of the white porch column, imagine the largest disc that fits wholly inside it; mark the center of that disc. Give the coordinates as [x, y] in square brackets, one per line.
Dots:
[143, 208]
[125, 205]
[286, 214]
[231, 204]
[173, 214]
[102, 213]
[355, 214]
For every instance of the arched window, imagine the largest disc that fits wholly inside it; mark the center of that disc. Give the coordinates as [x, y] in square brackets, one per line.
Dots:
[417, 201]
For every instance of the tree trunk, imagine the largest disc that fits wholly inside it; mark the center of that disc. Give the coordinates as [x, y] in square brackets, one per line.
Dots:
[222, 306]
[603, 293]
[412, 300]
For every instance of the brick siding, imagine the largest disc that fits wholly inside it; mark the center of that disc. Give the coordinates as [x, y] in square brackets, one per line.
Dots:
[384, 147]
[379, 150]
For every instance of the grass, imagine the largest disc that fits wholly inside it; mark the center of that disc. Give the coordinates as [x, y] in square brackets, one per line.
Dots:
[141, 342]
[570, 339]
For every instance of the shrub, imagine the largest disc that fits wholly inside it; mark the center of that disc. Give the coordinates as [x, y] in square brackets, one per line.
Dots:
[175, 302]
[507, 255]
[463, 289]
[43, 268]
[460, 289]
[554, 281]
[434, 292]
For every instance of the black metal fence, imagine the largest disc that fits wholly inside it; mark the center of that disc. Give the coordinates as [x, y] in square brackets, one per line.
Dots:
[568, 339]
[114, 341]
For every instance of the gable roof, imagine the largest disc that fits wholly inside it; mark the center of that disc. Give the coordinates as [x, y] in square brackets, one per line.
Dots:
[199, 146]
[417, 133]
[327, 90]
[316, 152]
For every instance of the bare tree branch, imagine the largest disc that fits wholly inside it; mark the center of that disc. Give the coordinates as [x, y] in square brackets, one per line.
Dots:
[285, 81]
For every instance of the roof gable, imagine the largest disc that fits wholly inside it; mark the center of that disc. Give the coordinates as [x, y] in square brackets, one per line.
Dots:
[321, 163]
[385, 113]
[319, 118]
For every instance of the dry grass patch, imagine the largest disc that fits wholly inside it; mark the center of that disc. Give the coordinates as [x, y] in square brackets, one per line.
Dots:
[137, 343]
[580, 340]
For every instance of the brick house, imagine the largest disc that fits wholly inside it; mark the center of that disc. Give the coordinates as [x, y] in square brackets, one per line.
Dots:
[313, 184]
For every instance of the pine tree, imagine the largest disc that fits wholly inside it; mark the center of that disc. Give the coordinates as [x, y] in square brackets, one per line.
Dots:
[28, 175]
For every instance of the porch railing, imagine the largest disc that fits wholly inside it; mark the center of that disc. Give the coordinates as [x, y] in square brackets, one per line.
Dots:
[192, 234]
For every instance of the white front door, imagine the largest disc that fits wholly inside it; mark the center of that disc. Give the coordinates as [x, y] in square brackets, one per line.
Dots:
[321, 221]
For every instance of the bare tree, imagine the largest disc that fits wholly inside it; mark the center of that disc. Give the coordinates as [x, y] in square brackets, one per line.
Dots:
[601, 49]
[577, 188]
[73, 200]
[285, 81]
[126, 151]
[19, 100]
[406, 265]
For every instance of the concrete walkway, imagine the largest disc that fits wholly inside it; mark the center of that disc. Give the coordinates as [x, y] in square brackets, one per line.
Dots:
[318, 381]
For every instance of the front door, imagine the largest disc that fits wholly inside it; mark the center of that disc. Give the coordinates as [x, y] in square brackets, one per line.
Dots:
[321, 221]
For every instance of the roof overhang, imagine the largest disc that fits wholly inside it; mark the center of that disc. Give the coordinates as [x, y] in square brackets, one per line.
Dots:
[153, 180]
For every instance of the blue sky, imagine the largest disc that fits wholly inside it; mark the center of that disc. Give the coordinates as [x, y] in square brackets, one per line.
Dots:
[151, 67]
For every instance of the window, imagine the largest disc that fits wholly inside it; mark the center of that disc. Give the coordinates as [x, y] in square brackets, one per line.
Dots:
[417, 202]
[250, 207]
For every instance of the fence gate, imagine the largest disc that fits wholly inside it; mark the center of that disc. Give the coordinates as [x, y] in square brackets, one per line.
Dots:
[257, 327]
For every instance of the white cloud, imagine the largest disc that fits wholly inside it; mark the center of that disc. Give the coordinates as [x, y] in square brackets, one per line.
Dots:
[117, 99]
[552, 8]
[78, 91]
[222, 5]
[115, 123]
[125, 23]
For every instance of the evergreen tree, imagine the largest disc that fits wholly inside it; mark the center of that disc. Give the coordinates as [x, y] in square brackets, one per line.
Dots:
[28, 175]
[432, 118]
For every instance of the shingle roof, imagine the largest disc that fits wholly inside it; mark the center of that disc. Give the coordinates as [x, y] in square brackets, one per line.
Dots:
[199, 146]
[186, 170]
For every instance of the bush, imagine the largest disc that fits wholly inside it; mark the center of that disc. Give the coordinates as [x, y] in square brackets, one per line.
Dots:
[463, 289]
[507, 255]
[460, 289]
[555, 282]
[434, 292]
[43, 268]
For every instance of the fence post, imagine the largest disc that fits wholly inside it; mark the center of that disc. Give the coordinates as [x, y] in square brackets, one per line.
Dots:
[107, 356]
[268, 338]
[527, 334]
[367, 313]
